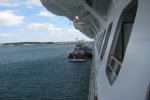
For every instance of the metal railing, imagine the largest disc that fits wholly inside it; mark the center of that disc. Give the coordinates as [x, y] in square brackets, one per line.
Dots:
[114, 68]
[116, 60]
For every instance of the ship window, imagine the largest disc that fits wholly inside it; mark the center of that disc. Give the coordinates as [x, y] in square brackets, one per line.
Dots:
[120, 42]
[148, 93]
[101, 41]
[89, 2]
[148, 96]
[106, 41]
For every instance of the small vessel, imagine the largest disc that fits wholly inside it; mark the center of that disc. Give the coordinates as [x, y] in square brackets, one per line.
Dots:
[79, 54]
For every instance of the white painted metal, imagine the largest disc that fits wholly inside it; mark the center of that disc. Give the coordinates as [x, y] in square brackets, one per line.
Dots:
[133, 80]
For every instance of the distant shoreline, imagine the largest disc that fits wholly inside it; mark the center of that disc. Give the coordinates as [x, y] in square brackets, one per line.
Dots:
[36, 43]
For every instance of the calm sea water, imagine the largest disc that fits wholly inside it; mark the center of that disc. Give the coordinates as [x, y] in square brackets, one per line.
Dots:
[42, 73]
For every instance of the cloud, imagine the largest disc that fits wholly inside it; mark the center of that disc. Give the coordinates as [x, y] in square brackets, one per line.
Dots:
[5, 35]
[73, 31]
[8, 3]
[43, 26]
[32, 3]
[46, 14]
[8, 18]
[27, 3]
[40, 37]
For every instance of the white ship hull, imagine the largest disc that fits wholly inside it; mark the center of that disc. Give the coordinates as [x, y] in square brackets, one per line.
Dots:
[121, 33]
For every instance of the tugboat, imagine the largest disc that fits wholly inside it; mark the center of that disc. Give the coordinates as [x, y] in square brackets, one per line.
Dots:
[80, 53]
[77, 56]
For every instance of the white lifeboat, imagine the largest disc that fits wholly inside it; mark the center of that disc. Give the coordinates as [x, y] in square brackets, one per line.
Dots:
[77, 22]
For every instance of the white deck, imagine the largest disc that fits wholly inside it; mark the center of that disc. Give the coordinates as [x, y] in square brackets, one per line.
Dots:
[77, 60]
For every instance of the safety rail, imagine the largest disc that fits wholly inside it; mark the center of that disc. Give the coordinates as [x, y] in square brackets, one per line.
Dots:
[116, 60]
[113, 68]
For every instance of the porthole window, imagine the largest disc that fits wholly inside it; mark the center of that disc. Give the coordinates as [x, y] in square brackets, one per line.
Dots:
[120, 42]
[106, 40]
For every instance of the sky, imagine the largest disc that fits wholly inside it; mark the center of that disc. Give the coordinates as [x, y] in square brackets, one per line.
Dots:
[29, 21]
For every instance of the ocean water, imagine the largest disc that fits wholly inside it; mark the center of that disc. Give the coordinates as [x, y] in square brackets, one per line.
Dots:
[42, 73]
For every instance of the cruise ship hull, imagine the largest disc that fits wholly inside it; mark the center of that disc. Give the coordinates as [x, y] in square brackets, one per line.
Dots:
[121, 33]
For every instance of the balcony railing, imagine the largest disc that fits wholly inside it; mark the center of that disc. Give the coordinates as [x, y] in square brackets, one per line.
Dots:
[113, 69]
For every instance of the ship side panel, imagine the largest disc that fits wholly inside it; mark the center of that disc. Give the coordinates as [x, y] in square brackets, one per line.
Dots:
[133, 79]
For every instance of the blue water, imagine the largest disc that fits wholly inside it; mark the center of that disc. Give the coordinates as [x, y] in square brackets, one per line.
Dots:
[42, 73]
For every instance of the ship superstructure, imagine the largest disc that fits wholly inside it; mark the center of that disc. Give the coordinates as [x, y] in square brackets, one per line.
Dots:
[121, 33]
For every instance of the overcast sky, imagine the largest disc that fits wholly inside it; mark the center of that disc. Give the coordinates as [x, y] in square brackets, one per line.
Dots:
[28, 21]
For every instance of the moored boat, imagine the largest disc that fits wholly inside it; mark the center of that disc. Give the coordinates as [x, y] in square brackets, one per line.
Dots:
[77, 56]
